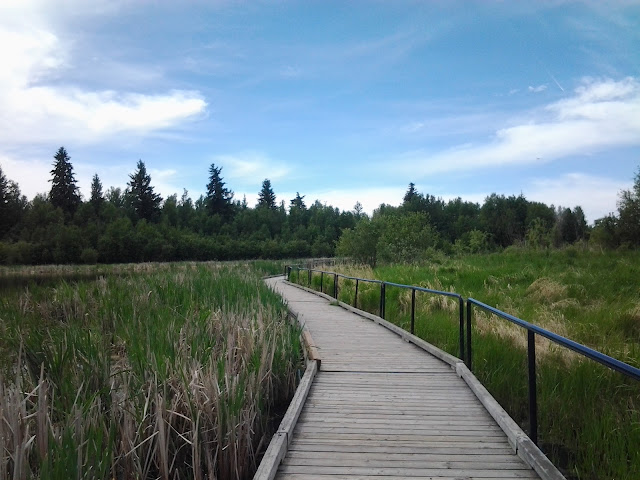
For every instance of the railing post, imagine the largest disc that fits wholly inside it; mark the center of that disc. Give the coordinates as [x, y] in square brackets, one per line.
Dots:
[413, 309]
[335, 286]
[468, 356]
[298, 281]
[382, 299]
[533, 401]
[355, 298]
[321, 282]
[309, 278]
[461, 328]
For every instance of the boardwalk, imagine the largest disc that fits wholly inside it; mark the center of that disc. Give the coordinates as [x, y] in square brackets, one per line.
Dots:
[381, 407]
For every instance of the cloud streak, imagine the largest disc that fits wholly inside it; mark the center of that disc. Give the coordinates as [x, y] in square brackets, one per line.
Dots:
[250, 167]
[538, 89]
[600, 114]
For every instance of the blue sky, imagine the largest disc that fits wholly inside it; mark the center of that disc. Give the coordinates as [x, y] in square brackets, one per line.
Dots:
[341, 101]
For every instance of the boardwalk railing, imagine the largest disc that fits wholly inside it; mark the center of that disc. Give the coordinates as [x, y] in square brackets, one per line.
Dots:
[465, 333]
[383, 297]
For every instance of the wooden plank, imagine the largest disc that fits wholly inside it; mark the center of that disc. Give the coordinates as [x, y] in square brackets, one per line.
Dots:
[507, 457]
[407, 472]
[355, 461]
[434, 447]
[312, 476]
[270, 463]
[312, 350]
[383, 407]
[388, 430]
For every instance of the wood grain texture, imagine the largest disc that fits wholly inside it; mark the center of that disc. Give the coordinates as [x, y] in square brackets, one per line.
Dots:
[383, 407]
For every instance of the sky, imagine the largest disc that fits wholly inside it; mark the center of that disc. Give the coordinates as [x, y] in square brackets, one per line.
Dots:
[343, 102]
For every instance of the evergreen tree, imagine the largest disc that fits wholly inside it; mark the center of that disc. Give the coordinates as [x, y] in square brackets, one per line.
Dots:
[266, 197]
[297, 203]
[219, 199]
[12, 204]
[358, 210]
[411, 193]
[97, 197]
[64, 192]
[145, 203]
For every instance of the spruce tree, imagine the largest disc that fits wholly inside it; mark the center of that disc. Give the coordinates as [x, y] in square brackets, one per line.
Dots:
[266, 197]
[145, 203]
[297, 203]
[411, 193]
[219, 199]
[97, 197]
[64, 192]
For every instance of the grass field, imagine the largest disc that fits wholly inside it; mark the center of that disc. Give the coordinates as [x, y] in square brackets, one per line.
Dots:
[589, 417]
[141, 371]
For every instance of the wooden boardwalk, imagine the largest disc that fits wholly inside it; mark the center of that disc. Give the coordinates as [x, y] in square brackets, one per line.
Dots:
[382, 407]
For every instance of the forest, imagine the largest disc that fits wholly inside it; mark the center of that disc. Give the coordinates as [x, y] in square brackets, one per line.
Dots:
[137, 225]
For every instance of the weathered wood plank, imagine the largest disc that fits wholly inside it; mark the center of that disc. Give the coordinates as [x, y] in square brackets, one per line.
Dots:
[477, 463]
[383, 407]
[407, 472]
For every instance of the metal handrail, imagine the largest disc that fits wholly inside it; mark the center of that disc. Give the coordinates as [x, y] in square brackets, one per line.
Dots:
[466, 356]
[532, 330]
[383, 288]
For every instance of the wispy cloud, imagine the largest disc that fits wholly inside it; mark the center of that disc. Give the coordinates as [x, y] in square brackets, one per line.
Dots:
[538, 89]
[601, 114]
[596, 195]
[36, 106]
[250, 167]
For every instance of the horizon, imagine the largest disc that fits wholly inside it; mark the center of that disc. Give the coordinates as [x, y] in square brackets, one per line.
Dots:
[342, 103]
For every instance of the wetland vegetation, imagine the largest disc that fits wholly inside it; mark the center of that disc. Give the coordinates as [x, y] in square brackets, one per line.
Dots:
[589, 416]
[141, 371]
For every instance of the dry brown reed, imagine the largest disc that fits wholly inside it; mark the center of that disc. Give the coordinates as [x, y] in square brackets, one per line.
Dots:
[182, 412]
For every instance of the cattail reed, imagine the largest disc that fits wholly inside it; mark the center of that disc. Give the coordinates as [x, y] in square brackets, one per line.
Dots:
[166, 372]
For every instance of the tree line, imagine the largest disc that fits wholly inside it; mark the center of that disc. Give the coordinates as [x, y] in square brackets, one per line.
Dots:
[136, 224]
[423, 224]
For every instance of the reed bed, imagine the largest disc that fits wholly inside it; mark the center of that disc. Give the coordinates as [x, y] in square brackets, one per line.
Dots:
[589, 416]
[158, 371]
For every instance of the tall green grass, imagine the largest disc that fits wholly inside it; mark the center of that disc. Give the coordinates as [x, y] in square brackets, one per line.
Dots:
[589, 416]
[154, 371]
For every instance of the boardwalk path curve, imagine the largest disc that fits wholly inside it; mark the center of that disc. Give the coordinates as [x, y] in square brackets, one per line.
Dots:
[381, 407]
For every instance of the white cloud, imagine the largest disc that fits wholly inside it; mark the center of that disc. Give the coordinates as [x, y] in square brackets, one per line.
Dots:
[250, 167]
[597, 196]
[36, 106]
[23, 172]
[538, 89]
[600, 115]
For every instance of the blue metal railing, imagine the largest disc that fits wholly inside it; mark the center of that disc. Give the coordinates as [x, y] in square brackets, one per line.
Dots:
[465, 331]
[383, 289]
[532, 330]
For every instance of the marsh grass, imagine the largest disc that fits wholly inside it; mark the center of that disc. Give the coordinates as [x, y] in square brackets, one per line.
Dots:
[589, 416]
[153, 371]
